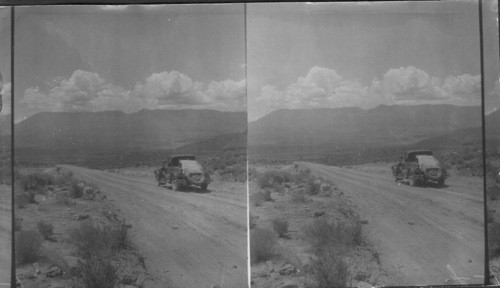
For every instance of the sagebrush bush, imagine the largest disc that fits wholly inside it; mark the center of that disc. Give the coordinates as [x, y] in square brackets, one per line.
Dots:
[35, 181]
[62, 198]
[328, 270]
[91, 239]
[22, 200]
[27, 247]
[75, 189]
[326, 234]
[45, 229]
[260, 197]
[298, 195]
[98, 272]
[289, 255]
[262, 245]
[280, 226]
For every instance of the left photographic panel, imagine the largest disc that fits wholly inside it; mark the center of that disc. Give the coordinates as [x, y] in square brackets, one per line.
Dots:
[130, 146]
[5, 148]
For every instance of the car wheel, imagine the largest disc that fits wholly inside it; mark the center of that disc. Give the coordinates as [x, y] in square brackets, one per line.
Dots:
[175, 186]
[413, 181]
[204, 186]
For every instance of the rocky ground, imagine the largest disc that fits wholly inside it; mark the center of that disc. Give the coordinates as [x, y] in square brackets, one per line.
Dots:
[58, 262]
[290, 264]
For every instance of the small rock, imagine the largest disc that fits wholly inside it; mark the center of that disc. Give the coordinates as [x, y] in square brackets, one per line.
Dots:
[129, 279]
[411, 223]
[83, 217]
[289, 284]
[287, 269]
[364, 222]
[54, 272]
[318, 214]
[175, 227]
[270, 266]
[235, 267]
[326, 188]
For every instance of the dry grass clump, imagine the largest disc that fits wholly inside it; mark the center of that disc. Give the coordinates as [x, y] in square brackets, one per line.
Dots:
[97, 272]
[260, 197]
[45, 229]
[280, 226]
[262, 245]
[298, 195]
[328, 270]
[288, 254]
[92, 240]
[27, 247]
[325, 234]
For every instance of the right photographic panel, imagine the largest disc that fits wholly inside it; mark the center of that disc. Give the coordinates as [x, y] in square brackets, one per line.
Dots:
[365, 144]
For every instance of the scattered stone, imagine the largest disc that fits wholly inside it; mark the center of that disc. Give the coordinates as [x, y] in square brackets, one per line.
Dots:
[235, 267]
[175, 227]
[327, 188]
[318, 214]
[289, 284]
[129, 279]
[88, 192]
[54, 272]
[83, 217]
[215, 286]
[411, 223]
[364, 222]
[287, 269]
[270, 266]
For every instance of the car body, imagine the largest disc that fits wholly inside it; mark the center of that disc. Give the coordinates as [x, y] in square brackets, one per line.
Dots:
[183, 171]
[420, 166]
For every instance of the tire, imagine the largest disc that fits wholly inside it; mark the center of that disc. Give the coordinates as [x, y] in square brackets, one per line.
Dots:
[204, 187]
[413, 181]
[175, 186]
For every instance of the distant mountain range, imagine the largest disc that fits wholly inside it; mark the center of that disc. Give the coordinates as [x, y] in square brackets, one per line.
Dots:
[147, 129]
[345, 127]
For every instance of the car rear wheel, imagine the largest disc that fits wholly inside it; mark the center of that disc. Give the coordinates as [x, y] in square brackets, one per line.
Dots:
[441, 182]
[176, 186]
[412, 180]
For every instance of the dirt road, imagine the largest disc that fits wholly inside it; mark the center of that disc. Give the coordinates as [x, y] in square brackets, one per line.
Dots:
[194, 240]
[421, 232]
[5, 235]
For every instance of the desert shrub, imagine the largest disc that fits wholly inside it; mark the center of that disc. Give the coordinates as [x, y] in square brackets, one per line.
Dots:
[22, 200]
[64, 178]
[35, 181]
[329, 271]
[252, 221]
[260, 197]
[494, 239]
[91, 239]
[75, 189]
[97, 272]
[280, 226]
[288, 254]
[45, 229]
[262, 245]
[62, 198]
[264, 180]
[27, 248]
[298, 195]
[313, 186]
[326, 234]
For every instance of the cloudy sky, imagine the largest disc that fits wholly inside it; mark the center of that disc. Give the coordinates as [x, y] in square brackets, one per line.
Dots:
[5, 35]
[89, 58]
[367, 54]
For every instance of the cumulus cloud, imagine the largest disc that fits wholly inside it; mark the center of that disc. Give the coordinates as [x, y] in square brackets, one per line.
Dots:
[323, 87]
[87, 91]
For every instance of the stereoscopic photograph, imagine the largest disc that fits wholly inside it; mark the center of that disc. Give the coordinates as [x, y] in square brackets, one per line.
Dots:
[130, 146]
[365, 143]
[5, 151]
